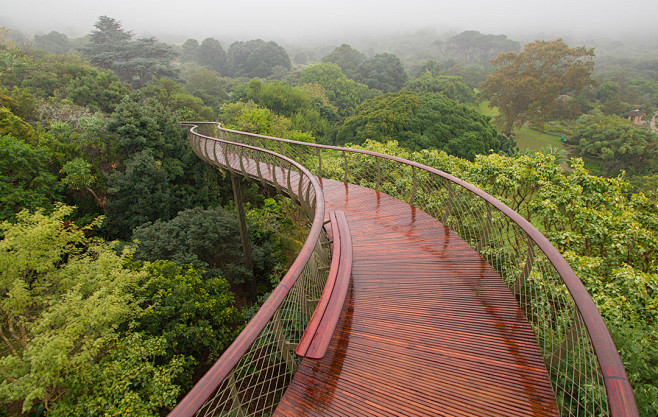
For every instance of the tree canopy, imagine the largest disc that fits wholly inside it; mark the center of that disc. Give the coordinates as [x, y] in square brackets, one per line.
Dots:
[618, 143]
[256, 58]
[527, 85]
[211, 54]
[423, 121]
[382, 72]
[347, 58]
[135, 62]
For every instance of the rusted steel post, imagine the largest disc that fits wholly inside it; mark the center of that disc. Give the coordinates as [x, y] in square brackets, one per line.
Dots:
[242, 223]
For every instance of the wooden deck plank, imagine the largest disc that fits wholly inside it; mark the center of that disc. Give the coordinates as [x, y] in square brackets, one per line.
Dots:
[428, 327]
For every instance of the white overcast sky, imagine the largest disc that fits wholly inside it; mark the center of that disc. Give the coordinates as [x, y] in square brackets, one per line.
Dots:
[305, 20]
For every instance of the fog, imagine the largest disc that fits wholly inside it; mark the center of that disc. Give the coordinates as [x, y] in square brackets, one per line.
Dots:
[312, 21]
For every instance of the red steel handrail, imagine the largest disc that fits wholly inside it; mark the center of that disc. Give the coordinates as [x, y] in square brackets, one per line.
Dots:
[315, 341]
[618, 389]
[205, 387]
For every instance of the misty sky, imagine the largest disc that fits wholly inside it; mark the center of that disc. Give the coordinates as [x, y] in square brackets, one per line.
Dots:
[315, 20]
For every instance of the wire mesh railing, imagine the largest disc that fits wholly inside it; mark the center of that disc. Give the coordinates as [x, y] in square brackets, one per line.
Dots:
[253, 373]
[586, 372]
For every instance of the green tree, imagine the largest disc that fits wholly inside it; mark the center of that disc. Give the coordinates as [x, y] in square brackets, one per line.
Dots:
[196, 315]
[212, 55]
[208, 86]
[53, 41]
[107, 43]
[176, 98]
[25, 180]
[527, 85]
[343, 93]
[618, 143]
[256, 58]
[424, 121]
[190, 51]
[131, 379]
[451, 87]
[210, 240]
[347, 58]
[135, 62]
[472, 47]
[142, 193]
[63, 297]
[382, 72]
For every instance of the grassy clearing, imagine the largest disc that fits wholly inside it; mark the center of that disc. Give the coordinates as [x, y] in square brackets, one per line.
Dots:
[526, 138]
[535, 140]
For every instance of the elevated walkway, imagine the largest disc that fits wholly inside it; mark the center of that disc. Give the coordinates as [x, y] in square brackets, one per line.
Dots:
[428, 328]
[457, 305]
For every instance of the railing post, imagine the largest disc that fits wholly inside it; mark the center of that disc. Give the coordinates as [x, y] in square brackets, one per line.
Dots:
[346, 169]
[379, 175]
[487, 229]
[319, 162]
[448, 211]
[413, 190]
[527, 269]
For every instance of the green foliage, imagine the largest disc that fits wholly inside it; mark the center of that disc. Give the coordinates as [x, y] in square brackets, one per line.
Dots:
[195, 316]
[209, 240]
[256, 58]
[526, 86]
[212, 55]
[135, 62]
[62, 77]
[88, 331]
[424, 121]
[147, 125]
[347, 58]
[618, 143]
[382, 72]
[190, 51]
[101, 90]
[341, 92]
[63, 296]
[473, 47]
[250, 117]
[25, 178]
[53, 41]
[451, 87]
[174, 97]
[208, 86]
[142, 193]
[130, 380]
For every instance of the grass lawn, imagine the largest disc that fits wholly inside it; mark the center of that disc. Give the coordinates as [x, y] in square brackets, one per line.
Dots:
[535, 140]
[525, 137]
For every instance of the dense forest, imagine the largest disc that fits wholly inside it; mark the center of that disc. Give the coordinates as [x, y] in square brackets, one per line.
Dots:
[122, 275]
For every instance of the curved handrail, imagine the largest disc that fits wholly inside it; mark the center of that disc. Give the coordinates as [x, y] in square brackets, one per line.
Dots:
[618, 391]
[315, 341]
[210, 382]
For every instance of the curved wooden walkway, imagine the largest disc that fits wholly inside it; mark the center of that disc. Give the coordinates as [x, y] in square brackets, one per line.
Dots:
[428, 327]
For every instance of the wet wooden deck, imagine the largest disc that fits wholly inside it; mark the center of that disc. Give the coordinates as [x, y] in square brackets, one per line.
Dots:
[428, 327]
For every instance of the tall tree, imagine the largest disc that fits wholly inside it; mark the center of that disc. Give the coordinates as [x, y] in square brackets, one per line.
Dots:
[347, 58]
[256, 58]
[211, 54]
[190, 51]
[527, 85]
[424, 121]
[383, 72]
[474, 47]
[135, 62]
[53, 41]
